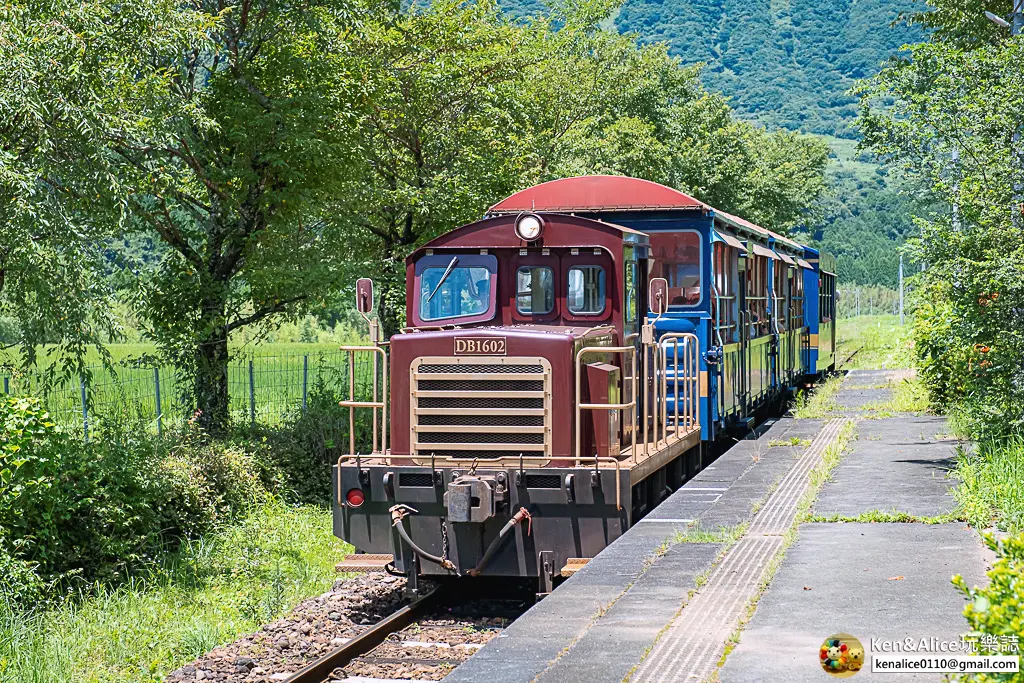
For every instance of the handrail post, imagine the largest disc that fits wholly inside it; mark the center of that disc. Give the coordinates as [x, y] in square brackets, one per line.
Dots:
[352, 399]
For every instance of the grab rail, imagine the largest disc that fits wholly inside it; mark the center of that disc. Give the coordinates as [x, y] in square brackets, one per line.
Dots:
[690, 381]
[580, 406]
[376, 404]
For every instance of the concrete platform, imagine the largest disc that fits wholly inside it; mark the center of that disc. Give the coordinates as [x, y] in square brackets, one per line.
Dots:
[897, 465]
[653, 609]
[886, 581]
[599, 624]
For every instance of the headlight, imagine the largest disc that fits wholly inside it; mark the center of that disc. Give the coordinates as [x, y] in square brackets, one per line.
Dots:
[529, 227]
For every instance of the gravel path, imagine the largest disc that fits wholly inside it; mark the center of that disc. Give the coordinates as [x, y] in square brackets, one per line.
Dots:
[313, 628]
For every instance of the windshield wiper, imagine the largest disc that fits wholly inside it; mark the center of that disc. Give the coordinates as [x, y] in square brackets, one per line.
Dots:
[447, 272]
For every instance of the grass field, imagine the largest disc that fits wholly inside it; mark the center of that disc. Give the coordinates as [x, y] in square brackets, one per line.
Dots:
[213, 591]
[266, 383]
[879, 340]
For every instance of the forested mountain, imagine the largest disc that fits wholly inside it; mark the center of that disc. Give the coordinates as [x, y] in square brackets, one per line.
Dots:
[785, 63]
[790, 64]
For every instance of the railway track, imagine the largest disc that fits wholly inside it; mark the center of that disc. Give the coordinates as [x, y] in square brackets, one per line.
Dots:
[422, 641]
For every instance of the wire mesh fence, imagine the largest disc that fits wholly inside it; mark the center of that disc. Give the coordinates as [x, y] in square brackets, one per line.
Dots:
[264, 390]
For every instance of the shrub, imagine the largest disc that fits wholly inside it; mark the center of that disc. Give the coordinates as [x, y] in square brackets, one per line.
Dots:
[304, 448]
[106, 508]
[998, 609]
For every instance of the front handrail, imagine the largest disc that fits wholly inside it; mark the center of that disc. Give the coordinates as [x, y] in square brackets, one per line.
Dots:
[580, 406]
[379, 402]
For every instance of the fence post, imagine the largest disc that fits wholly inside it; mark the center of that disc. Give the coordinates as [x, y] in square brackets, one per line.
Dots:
[85, 410]
[305, 380]
[252, 394]
[159, 410]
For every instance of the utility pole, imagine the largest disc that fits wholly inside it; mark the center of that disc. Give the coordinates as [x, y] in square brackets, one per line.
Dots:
[858, 302]
[901, 289]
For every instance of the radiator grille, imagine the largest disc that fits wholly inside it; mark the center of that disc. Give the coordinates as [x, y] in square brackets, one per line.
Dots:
[543, 481]
[484, 420]
[416, 479]
[450, 369]
[455, 401]
[502, 385]
[472, 409]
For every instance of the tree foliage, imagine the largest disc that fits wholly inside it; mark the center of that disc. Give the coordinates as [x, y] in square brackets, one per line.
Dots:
[965, 97]
[266, 151]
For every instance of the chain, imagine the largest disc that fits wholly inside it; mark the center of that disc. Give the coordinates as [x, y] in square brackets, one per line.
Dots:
[444, 541]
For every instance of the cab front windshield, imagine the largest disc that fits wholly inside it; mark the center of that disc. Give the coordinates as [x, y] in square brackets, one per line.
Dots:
[465, 291]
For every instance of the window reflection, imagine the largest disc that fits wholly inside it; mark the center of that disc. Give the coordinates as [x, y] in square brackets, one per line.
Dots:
[586, 290]
[535, 290]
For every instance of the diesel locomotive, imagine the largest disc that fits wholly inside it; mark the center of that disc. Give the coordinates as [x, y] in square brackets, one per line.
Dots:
[570, 360]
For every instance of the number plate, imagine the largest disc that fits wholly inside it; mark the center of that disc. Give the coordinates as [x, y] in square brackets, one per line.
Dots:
[480, 346]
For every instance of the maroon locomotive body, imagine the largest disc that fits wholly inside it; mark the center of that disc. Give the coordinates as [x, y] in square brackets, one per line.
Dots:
[514, 444]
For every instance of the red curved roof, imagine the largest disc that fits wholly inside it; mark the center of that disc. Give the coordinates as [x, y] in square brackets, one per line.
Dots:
[598, 193]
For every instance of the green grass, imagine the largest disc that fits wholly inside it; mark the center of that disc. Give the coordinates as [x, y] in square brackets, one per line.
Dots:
[880, 341]
[820, 402]
[991, 490]
[887, 517]
[845, 159]
[909, 396]
[127, 352]
[724, 534]
[210, 593]
[791, 441]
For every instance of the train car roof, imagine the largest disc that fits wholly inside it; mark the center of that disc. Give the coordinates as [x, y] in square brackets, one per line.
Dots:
[495, 232]
[741, 223]
[598, 193]
[619, 193]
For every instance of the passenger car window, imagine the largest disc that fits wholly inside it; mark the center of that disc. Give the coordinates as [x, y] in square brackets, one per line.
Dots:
[535, 290]
[586, 290]
[464, 292]
[677, 255]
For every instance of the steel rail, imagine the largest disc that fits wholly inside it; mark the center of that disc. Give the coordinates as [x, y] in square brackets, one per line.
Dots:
[320, 669]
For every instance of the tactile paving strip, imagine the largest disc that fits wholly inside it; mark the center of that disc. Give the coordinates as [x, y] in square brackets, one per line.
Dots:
[695, 641]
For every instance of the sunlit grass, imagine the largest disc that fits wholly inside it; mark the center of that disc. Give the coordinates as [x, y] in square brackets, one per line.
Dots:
[879, 340]
[991, 490]
[909, 395]
[819, 402]
[213, 591]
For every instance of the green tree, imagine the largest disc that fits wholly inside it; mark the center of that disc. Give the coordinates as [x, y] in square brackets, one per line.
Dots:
[50, 250]
[222, 138]
[962, 92]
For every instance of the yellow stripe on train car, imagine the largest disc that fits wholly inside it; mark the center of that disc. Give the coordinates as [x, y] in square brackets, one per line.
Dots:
[814, 341]
[703, 383]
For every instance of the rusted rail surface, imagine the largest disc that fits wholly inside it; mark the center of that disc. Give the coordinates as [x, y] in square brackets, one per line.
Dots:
[319, 670]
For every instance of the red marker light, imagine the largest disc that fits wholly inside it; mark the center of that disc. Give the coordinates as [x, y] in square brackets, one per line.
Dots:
[355, 497]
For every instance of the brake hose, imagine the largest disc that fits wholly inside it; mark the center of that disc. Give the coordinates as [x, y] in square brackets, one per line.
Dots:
[398, 513]
[499, 540]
